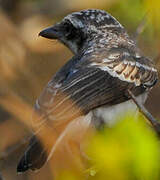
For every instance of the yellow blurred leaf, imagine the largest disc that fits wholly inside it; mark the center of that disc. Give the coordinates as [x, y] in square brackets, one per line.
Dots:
[153, 9]
[130, 149]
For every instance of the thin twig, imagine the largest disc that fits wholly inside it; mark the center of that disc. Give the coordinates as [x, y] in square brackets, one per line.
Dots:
[140, 28]
[148, 115]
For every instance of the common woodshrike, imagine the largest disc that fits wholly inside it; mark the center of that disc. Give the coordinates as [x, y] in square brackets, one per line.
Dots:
[92, 86]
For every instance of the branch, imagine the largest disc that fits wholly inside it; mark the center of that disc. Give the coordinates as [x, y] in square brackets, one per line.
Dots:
[148, 115]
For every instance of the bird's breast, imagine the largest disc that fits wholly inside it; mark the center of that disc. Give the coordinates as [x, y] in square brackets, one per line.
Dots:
[108, 114]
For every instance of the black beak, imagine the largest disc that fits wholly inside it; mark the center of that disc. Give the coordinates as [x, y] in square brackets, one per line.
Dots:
[51, 32]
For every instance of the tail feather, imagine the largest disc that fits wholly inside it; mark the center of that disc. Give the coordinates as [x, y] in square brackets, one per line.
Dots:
[34, 157]
[38, 149]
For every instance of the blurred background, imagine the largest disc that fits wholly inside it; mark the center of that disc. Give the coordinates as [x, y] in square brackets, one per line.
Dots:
[27, 63]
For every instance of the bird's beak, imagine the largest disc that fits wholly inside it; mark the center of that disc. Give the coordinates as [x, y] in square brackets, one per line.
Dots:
[52, 32]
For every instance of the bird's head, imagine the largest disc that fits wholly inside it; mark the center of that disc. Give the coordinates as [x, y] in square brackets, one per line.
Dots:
[79, 28]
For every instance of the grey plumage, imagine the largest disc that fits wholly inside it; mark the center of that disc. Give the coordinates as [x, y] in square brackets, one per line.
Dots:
[105, 64]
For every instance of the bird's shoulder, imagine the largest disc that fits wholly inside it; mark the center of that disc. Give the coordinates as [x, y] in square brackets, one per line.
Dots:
[127, 65]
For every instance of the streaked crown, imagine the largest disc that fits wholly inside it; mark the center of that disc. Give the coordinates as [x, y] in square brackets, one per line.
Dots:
[93, 17]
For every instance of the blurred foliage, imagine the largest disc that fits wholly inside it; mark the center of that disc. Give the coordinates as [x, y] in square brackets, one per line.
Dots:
[130, 150]
[153, 12]
[129, 11]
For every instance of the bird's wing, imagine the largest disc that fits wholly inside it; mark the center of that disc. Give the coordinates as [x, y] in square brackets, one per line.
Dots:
[93, 82]
[80, 86]
[129, 67]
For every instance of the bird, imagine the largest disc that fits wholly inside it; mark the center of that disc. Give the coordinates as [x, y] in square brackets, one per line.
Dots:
[91, 88]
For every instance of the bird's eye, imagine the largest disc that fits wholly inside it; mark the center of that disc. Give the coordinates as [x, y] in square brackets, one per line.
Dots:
[67, 26]
[69, 29]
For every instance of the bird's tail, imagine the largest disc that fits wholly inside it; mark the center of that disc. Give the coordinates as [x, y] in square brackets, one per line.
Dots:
[34, 157]
[37, 154]
[38, 149]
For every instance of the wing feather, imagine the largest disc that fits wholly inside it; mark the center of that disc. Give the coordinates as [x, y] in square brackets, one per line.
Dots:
[98, 82]
[128, 67]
